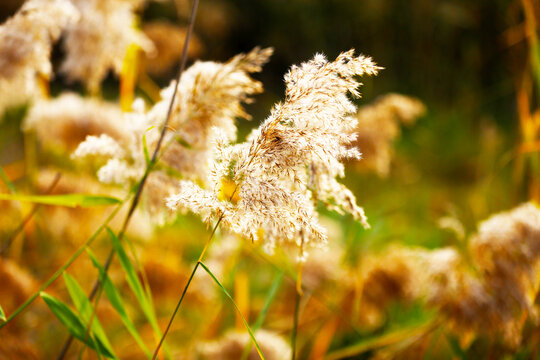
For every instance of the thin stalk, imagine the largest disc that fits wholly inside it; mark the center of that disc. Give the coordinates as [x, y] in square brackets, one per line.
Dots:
[295, 324]
[297, 300]
[317, 297]
[186, 287]
[97, 289]
[7, 244]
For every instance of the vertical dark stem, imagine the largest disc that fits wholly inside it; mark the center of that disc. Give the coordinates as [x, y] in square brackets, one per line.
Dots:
[96, 289]
[186, 288]
[175, 311]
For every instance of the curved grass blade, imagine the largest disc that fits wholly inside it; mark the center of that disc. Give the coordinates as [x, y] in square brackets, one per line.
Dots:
[2, 314]
[116, 301]
[136, 286]
[70, 200]
[73, 323]
[84, 307]
[131, 275]
[145, 147]
[128, 76]
[236, 307]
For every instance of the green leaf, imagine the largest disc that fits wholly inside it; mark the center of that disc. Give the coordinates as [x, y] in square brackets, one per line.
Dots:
[86, 311]
[6, 181]
[131, 275]
[70, 200]
[145, 147]
[2, 314]
[72, 322]
[183, 142]
[236, 307]
[116, 301]
[136, 286]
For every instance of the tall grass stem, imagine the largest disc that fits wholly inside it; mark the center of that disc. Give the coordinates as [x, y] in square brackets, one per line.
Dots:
[96, 289]
[186, 288]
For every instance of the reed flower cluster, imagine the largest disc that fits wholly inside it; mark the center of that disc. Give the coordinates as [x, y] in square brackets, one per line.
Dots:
[271, 183]
[506, 254]
[64, 122]
[209, 98]
[26, 41]
[491, 294]
[379, 125]
[99, 41]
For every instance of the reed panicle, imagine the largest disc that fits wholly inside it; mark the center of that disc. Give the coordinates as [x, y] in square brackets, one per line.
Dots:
[26, 40]
[274, 179]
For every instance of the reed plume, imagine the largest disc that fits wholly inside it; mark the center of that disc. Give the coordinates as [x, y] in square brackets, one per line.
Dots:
[26, 40]
[270, 183]
[99, 41]
[379, 125]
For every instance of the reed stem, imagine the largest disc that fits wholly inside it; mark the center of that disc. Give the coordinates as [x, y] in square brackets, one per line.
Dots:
[186, 287]
[97, 289]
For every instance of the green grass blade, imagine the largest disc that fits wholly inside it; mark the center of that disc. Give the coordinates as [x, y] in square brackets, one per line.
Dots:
[116, 301]
[6, 181]
[136, 286]
[236, 307]
[85, 309]
[131, 275]
[267, 302]
[145, 149]
[72, 322]
[183, 142]
[70, 200]
[2, 314]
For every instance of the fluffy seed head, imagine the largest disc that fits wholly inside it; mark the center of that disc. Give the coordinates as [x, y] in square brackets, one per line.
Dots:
[291, 161]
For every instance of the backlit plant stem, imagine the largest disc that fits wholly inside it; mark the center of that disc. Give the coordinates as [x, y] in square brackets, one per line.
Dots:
[186, 287]
[96, 290]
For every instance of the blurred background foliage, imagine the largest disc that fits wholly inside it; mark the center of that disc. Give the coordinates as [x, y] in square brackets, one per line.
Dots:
[467, 61]
[464, 59]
